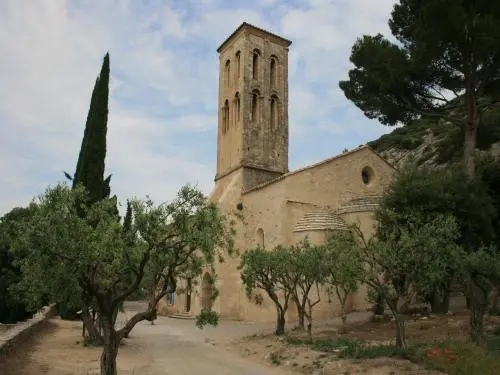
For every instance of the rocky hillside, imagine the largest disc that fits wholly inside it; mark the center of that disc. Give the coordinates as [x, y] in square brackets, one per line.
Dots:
[431, 142]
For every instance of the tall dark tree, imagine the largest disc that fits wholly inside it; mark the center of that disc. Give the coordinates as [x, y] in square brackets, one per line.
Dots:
[127, 220]
[12, 309]
[424, 193]
[445, 64]
[91, 160]
[418, 195]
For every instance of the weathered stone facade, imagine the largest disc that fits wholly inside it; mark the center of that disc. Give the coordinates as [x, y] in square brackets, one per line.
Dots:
[279, 207]
[253, 105]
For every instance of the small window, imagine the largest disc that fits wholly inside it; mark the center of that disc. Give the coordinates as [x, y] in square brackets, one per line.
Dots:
[228, 72]
[272, 72]
[237, 106]
[367, 175]
[260, 237]
[274, 112]
[254, 114]
[225, 117]
[238, 64]
[255, 64]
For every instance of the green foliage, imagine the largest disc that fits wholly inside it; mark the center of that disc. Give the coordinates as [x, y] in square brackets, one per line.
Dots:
[284, 273]
[91, 160]
[332, 345]
[456, 358]
[421, 194]
[127, 220]
[261, 269]
[417, 197]
[276, 358]
[99, 261]
[377, 299]
[404, 260]
[433, 59]
[407, 257]
[71, 256]
[346, 347]
[451, 357]
[488, 171]
[344, 264]
[206, 317]
[185, 235]
[12, 309]
[87, 259]
[442, 68]
[305, 269]
[295, 341]
[268, 271]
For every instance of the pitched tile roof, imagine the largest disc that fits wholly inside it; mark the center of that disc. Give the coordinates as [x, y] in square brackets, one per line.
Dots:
[322, 220]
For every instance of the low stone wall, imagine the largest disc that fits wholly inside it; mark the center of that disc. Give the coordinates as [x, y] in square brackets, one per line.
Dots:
[22, 331]
[166, 310]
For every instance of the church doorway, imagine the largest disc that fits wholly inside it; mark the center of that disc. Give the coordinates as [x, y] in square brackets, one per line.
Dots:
[207, 292]
[188, 295]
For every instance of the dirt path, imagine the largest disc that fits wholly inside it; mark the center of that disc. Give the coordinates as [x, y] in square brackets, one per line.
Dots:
[170, 347]
[57, 350]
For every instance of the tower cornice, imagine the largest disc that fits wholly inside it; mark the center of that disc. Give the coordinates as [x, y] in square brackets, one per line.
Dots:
[246, 27]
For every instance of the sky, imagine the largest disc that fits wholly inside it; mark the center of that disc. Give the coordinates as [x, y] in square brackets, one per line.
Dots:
[162, 127]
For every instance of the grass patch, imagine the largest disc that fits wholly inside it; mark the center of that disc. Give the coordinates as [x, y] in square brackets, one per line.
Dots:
[358, 349]
[295, 341]
[336, 345]
[451, 357]
[276, 359]
[461, 358]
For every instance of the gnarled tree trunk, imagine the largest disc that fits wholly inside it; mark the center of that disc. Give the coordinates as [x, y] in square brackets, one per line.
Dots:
[400, 331]
[301, 309]
[110, 351]
[280, 321]
[94, 337]
[440, 300]
[478, 306]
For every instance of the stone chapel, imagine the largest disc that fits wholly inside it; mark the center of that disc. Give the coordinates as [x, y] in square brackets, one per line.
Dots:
[279, 206]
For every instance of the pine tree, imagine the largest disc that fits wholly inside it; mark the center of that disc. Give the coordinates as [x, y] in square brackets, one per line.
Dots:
[445, 65]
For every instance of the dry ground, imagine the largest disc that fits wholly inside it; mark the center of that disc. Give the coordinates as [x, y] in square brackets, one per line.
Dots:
[301, 358]
[170, 347]
[58, 350]
[5, 327]
[176, 347]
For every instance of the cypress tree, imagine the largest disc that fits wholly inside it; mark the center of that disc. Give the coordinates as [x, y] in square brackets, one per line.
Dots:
[127, 221]
[91, 160]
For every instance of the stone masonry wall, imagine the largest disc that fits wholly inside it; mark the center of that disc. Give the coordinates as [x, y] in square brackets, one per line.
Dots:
[10, 339]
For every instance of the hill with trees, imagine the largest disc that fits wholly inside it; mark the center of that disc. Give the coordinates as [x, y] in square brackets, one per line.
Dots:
[432, 142]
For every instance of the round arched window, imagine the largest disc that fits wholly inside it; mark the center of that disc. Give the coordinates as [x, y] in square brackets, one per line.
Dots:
[260, 237]
[367, 175]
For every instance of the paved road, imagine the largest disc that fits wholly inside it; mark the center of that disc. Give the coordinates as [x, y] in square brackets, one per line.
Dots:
[179, 348]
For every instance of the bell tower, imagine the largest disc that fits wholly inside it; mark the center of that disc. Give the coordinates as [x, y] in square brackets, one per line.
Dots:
[253, 106]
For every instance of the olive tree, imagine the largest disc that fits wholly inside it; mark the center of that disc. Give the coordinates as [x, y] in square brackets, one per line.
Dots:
[482, 270]
[344, 267]
[414, 257]
[266, 270]
[73, 254]
[305, 271]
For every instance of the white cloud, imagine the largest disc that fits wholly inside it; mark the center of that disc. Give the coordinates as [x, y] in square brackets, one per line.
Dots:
[163, 84]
